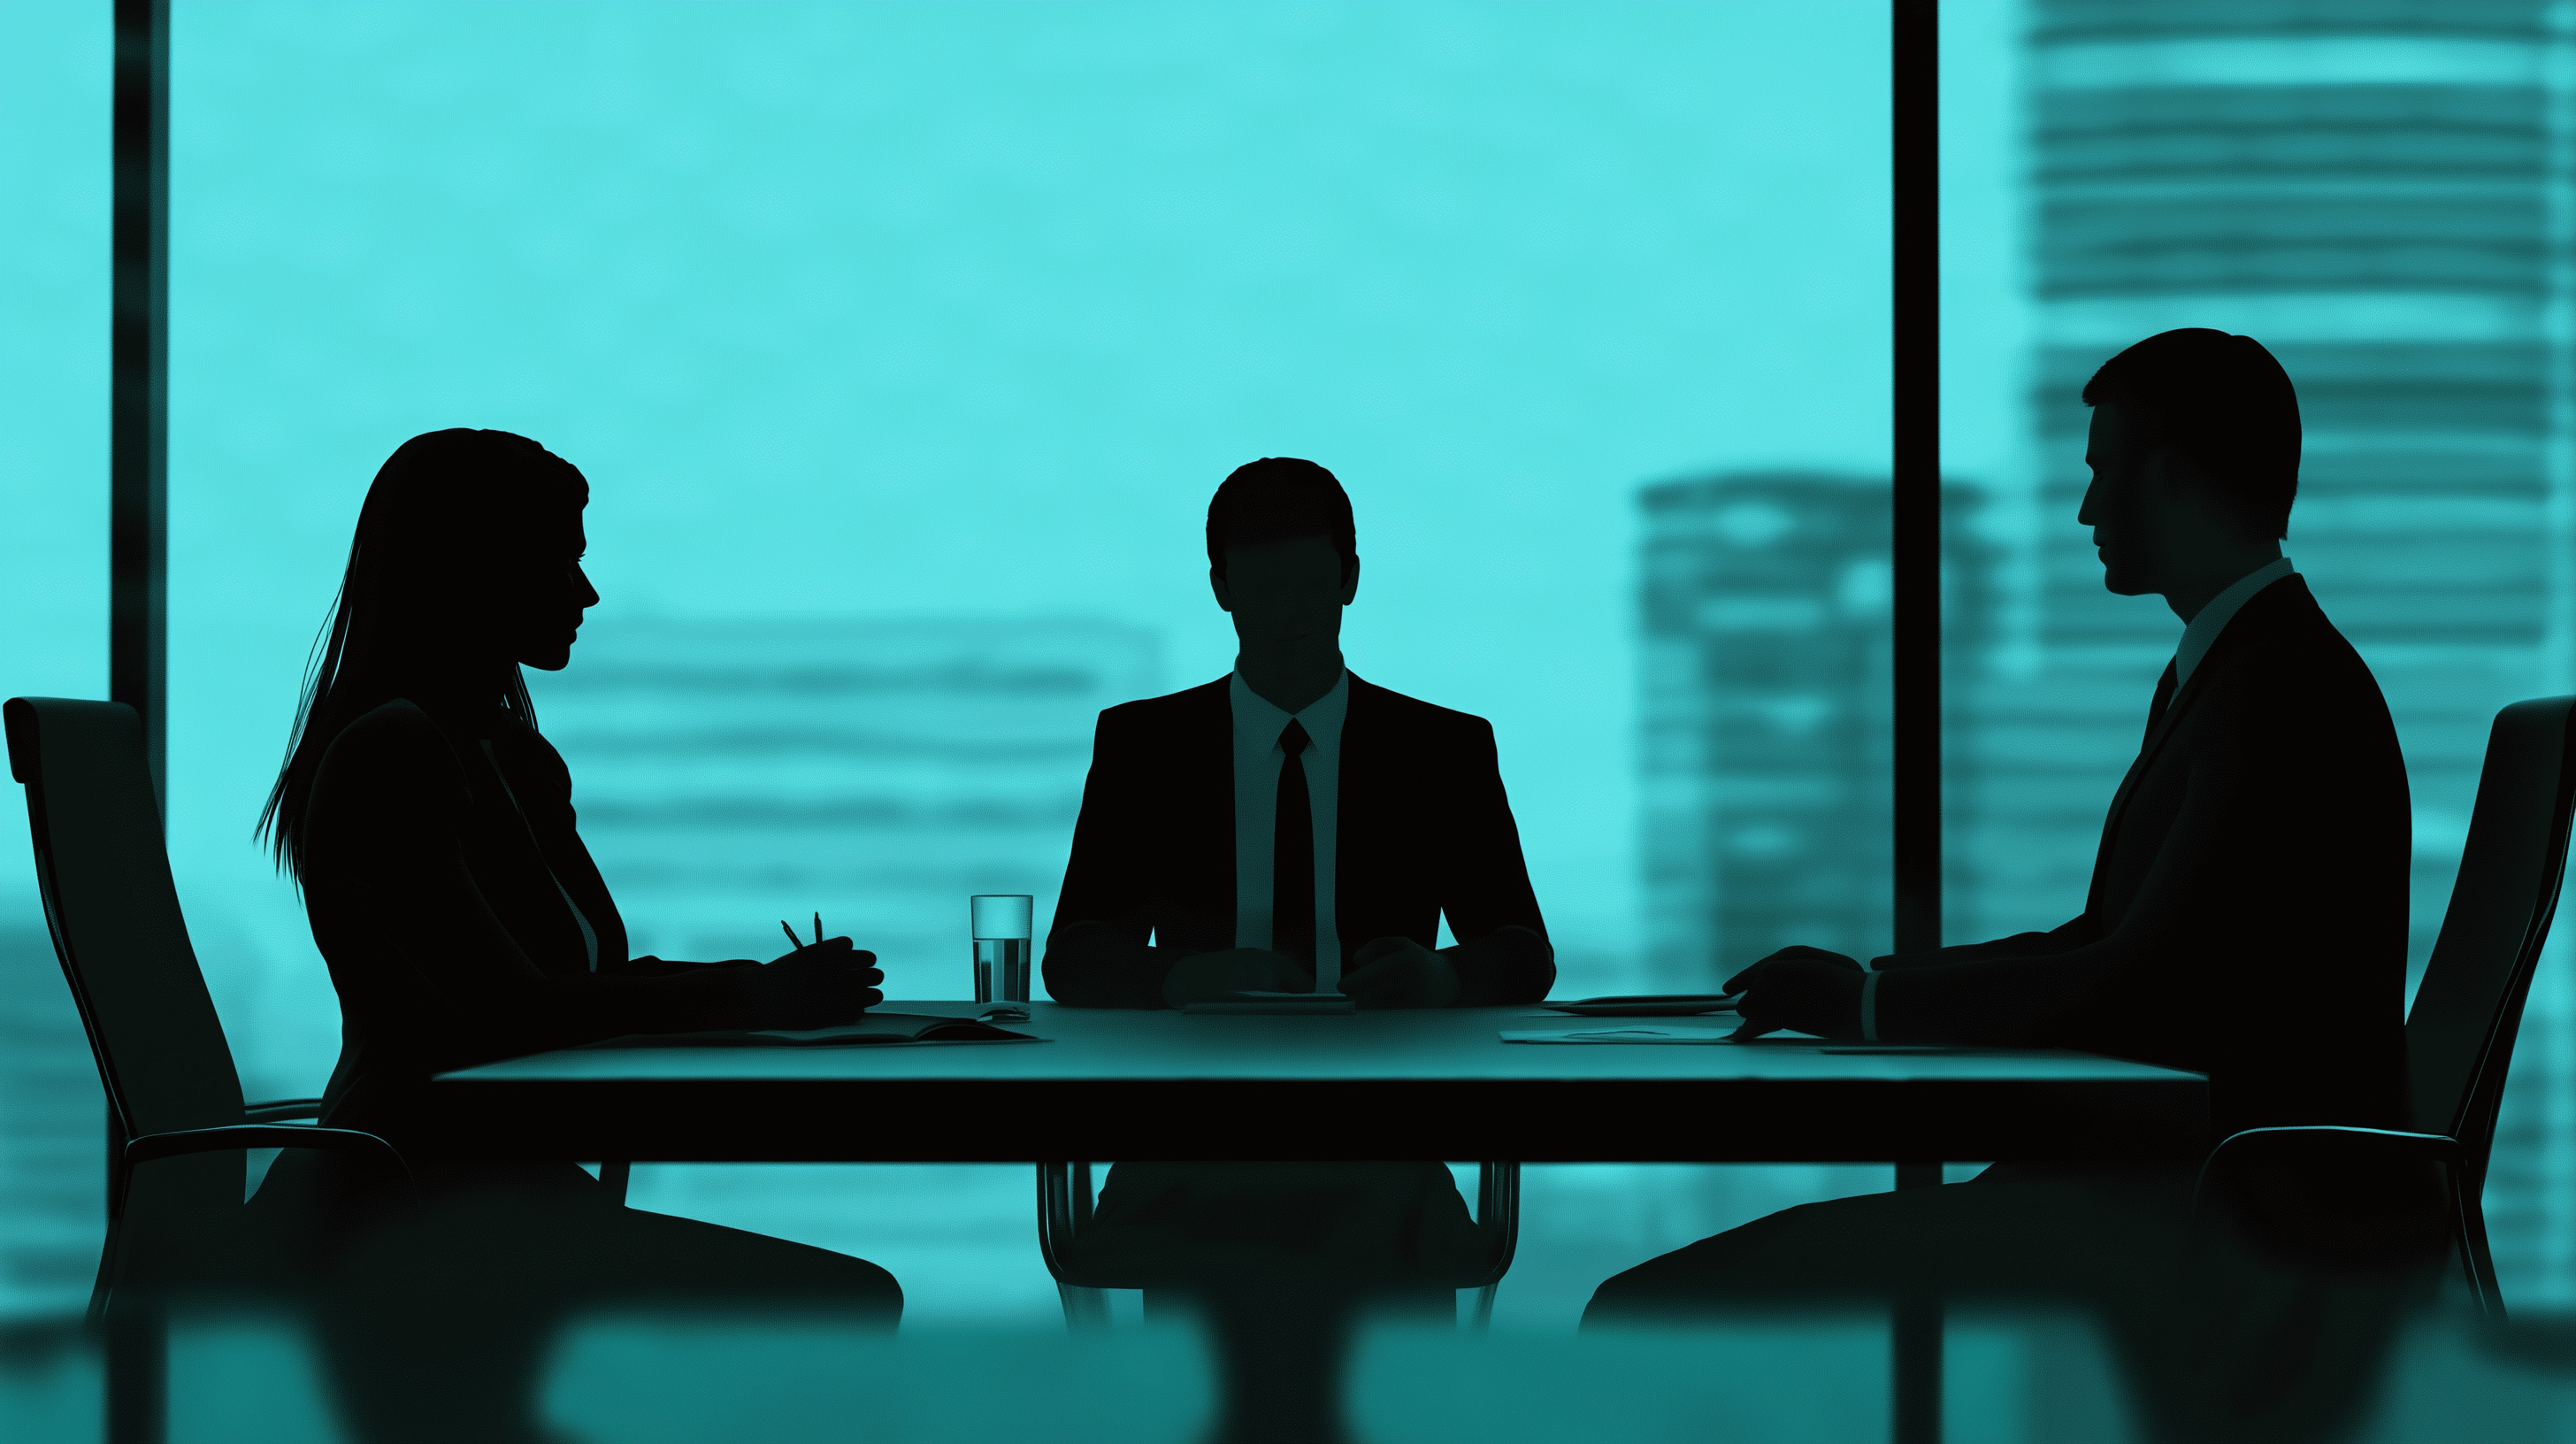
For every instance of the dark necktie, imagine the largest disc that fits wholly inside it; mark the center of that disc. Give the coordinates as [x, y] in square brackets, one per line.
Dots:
[2166, 686]
[1292, 855]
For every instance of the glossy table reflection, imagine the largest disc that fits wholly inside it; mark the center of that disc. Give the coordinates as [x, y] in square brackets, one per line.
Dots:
[1387, 1085]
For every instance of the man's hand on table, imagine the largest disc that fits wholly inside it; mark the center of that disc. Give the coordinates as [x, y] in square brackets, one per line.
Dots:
[1400, 973]
[1206, 977]
[1806, 989]
[821, 985]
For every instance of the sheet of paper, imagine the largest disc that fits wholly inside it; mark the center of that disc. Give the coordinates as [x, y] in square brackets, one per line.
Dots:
[1615, 1035]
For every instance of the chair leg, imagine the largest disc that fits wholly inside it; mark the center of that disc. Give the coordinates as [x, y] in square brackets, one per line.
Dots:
[1084, 1309]
[2475, 1262]
[110, 1257]
[137, 1403]
[614, 1176]
[1482, 1321]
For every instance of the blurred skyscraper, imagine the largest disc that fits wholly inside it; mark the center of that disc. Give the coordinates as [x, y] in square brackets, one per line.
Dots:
[2379, 191]
[53, 1129]
[731, 772]
[1765, 714]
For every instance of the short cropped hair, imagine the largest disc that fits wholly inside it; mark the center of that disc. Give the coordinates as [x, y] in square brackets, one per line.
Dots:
[2224, 402]
[1279, 498]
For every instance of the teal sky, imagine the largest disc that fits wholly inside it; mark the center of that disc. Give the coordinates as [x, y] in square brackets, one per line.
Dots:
[962, 309]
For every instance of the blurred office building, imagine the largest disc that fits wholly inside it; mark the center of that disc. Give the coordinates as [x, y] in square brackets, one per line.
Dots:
[2381, 194]
[53, 1120]
[1764, 720]
[1765, 714]
[734, 773]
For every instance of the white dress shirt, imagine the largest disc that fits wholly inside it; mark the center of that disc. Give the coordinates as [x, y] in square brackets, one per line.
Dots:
[2197, 639]
[1257, 761]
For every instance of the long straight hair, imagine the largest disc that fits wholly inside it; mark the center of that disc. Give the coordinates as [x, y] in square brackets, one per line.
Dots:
[446, 511]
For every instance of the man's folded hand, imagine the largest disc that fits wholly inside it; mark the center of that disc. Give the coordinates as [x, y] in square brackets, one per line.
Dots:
[1400, 973]
[1206, 977]
[1806, 989]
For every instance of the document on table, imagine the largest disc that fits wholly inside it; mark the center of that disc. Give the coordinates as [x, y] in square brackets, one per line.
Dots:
[1273, 1003]
[873, 1030]
[1634, 1034]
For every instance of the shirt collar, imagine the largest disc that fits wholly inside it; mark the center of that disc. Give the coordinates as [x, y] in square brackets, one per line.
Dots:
[2222, 609]
[1257, 719]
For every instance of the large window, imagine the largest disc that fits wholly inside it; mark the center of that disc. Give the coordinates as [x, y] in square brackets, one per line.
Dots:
[903, 345]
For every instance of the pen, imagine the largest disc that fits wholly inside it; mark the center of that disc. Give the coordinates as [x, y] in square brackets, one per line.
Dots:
[792, 940]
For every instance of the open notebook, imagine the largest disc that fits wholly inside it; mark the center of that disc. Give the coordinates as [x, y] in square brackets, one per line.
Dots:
[871, 1029]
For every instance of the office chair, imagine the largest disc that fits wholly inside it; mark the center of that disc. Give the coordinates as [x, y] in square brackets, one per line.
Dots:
[177, 1122]
[1064, 1212]
[2460, 1033]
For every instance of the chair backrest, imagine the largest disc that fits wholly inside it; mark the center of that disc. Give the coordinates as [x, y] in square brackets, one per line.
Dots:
[114, 914]
[2459, 1037]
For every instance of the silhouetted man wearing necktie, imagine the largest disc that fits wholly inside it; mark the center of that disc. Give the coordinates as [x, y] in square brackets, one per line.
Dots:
[1290, 828]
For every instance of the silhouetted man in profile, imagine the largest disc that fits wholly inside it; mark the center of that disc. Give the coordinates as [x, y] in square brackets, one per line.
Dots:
[2247, 915]
[1291, 828]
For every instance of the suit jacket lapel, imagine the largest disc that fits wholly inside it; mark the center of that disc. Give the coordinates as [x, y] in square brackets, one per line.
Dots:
[2162, 721]
[1356, 790]
[1200, 763]
[2162, 714]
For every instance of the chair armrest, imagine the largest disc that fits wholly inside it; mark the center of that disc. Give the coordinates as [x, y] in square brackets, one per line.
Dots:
[153, 1146]
[2324, 1144]
[282, 1110]
[2337, 1197]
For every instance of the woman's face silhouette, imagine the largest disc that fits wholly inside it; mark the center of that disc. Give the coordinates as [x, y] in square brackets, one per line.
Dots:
[540, 592]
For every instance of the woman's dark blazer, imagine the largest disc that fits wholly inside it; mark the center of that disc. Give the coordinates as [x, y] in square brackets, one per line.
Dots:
[441, 874]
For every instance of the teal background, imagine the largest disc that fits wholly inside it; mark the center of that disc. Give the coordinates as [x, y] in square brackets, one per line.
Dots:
[933, 324]
[944, 315]
[961, 310]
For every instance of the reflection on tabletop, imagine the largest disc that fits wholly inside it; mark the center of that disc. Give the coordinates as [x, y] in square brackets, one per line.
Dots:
[650, 1378]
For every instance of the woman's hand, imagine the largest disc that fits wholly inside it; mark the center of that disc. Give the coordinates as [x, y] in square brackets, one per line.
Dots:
[817, 986]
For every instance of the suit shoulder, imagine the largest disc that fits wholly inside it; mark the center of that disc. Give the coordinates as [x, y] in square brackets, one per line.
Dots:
[2293, 666]
[1148, 715]
[2293, 631]
[1413, 712]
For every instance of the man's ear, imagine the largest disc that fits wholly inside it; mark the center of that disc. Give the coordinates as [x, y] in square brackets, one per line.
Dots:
[1350, 578]
[1224, 594]
[2184, 485]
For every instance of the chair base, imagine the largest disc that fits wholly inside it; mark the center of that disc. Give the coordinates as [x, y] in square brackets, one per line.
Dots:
[1065, 1198]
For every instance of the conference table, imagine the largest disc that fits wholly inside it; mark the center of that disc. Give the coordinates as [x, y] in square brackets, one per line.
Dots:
[1110, 1084]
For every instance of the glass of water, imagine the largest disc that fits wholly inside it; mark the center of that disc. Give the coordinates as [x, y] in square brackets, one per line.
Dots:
[1001, 929]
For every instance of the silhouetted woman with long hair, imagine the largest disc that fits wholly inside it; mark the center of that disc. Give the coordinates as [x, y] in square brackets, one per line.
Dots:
[431, 828]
